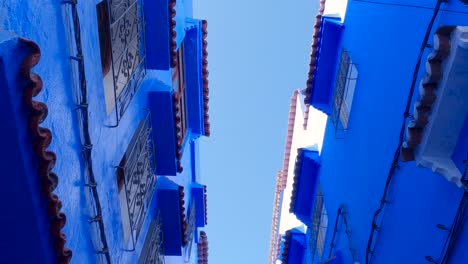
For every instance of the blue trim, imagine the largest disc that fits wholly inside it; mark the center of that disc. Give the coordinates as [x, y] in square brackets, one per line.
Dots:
[157, 34]
[193, 75]
[198, 194]
[328, 51]
[307, 185]
[24, 222]
[169, 206]
[297, 247]
[161, 107]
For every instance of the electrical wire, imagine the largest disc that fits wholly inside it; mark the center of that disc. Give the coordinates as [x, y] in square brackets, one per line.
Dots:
[343, 214]
[84, 130]
[396, 155]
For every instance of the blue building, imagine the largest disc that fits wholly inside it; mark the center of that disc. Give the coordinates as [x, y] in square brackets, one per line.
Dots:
[103, 105]
[389, 184]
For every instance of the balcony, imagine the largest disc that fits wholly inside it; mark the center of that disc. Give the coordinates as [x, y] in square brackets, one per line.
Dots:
[436, 137]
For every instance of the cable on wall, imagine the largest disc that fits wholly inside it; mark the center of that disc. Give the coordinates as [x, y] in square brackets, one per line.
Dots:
[83, 117]
[396, 156]
[342, 213]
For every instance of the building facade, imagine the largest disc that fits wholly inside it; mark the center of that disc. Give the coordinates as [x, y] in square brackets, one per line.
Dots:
[388, 185]
[104, 103]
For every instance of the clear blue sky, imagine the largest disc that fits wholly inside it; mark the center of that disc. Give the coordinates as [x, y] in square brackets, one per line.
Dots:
[258, 54]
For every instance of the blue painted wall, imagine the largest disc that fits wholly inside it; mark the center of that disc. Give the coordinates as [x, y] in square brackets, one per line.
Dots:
[51, 30]
[384, 42]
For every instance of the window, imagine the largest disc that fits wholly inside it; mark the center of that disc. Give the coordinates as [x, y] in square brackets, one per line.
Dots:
[136, 180]
[121, 44]
[190, 231]
[180, 96]
[153, 249]
[319, 226]
[344, 92]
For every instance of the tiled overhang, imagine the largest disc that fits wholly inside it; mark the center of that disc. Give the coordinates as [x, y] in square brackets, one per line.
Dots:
[287, 241]
[297, 174]
[441, 109]
[206, 204]
[179, 134]
[183, 219]
[294, 248]
[205, 74]
[203, 248]
[172, 33]
[42, 138]
[171, 204]
[305, 184]
[314, 46]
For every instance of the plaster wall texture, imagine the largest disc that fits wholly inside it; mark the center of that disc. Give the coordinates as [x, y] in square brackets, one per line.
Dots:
[47, 23]
[384, 42]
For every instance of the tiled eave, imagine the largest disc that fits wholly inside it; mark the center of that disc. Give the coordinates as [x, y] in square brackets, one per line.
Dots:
[172, 33]
[42, 138]
[183, 220]
[203, 248]
[287, 240]
[429, 84]
[297, 172]
[206, 204]
[313, 53]
[205, 74]
[179, 134]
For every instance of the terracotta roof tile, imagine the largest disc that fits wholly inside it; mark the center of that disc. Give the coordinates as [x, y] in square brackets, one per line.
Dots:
[42, 139]
[206, 205]
[429, 83]
[203, 248]
[183, 219]
[172, 33]
[313, 53]
[287, 240]
[205, 73]
[179, 134]
[297, 168]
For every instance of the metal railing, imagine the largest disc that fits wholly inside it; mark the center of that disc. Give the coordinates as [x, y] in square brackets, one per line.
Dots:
[127, 43]
[190, 230]
[137, 168]
[153, 249]
[340, 112]
[314, 238]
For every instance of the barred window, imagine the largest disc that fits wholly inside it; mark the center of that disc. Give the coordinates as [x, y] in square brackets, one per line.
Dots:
[153, 248]
[121, 43]
[344, 91]
[136, 180]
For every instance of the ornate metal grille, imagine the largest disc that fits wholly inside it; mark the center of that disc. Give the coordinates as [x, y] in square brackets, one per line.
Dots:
[316, 224]
[153, 249]
[339, 109]
[190, 230]
[128, 50]
[137, 171]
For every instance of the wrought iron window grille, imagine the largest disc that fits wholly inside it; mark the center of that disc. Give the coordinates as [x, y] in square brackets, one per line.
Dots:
[153, 248]
[316, 237]
[136, 174]
[190, 231]
[127, 44]
[340, 109]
